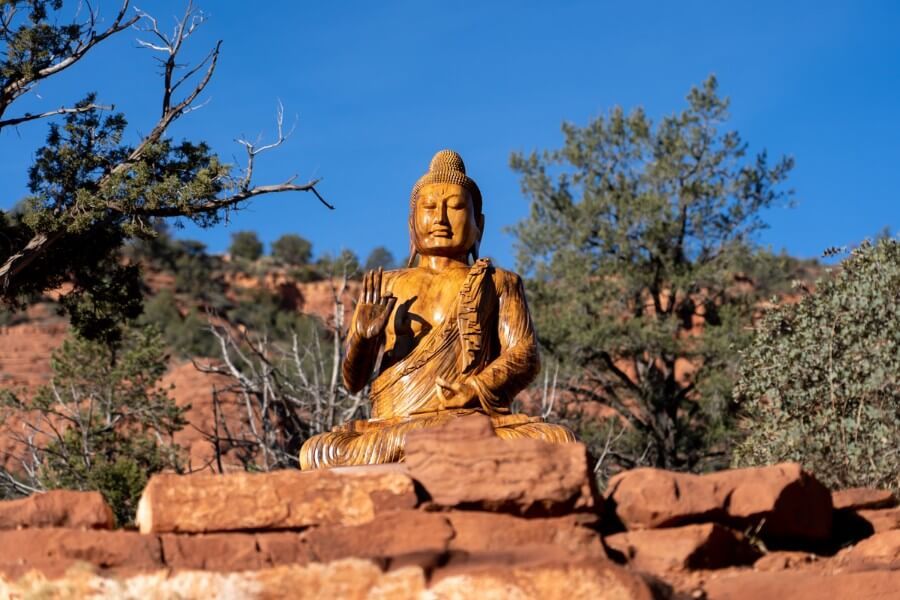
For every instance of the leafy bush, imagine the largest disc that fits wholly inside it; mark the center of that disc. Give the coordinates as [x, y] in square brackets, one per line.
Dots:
[246, 245]
[292, 249]
[820, 383]
[380, 257]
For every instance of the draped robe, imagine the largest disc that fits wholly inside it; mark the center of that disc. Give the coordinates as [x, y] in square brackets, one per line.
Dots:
[487, 341]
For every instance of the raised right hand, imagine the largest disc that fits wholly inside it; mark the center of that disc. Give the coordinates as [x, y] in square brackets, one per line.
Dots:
[373, 308]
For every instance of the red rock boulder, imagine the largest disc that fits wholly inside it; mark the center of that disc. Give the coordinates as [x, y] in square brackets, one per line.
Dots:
[862, 498]
[659, 551]
[57, 508]
[885, 519]
[52, 551]
[882, 550]
[286, 499]
[464, 465]
[782, 503]
[804, 585]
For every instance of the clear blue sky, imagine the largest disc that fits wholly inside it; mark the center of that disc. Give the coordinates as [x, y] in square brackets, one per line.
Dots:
[380, 86]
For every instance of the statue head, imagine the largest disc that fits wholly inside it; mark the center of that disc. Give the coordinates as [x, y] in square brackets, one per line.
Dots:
[445, 217]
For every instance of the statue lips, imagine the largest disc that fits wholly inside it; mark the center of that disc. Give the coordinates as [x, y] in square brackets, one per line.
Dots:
[441, 232]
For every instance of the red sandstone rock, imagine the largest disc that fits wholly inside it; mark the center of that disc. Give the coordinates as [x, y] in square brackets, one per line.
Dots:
[862, 498]
[280, 500]
[52, 551]
[393, 540]
[707, 546]
[882, 550]
[281, 548]
[352, 579]
[804, 585]
[233, 551]
[593, 579]
[779, 561]
[785, 502]
[485, 533]
[57, 508]
[884, 519]
[464, 465]
[212, 552]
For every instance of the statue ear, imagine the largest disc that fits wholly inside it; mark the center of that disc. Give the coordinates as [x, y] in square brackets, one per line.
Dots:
[479, 220]
[413, 253]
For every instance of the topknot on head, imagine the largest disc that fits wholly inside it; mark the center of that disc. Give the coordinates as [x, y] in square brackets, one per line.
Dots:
[447, 160]
[447, 166]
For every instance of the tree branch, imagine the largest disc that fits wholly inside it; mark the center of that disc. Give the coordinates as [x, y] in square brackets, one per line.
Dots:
[20, 86]
[60, 111]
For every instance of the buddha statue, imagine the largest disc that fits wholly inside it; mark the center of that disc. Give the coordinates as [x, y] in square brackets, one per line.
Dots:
[450, 335]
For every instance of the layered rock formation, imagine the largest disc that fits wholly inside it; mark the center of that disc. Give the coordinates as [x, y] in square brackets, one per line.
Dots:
[466, 516]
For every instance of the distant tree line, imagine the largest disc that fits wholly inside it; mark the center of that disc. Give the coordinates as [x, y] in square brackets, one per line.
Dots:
[293, 250]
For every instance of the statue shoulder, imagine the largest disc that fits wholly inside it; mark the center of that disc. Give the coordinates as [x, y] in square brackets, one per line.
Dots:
[506, 281]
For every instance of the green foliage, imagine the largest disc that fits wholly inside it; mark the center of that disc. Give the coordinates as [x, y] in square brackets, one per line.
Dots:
[36, 43]
[380, 257]
[637, 231]
[109, 424]
[91, 191]
[820, 383]
[187, 334]
[344, 264]
[196, 273]
[245, 245]
[292, 249]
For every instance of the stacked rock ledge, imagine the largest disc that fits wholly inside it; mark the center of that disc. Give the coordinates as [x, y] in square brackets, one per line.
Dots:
[466, 515]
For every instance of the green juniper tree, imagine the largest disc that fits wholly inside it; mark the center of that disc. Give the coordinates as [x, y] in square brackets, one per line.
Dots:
[639, 235]
[292, 249]
[91, 190]
[820, 384]
[102, 423]
[380, 257]
[245, 245]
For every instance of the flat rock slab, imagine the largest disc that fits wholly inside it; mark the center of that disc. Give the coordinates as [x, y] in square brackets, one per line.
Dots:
[862, 498]
[785, 503]
[286, 499]
[52, 551]
[882, 550]
[393, 540]
[464, 465]
[352, 579]
[659, 551]
[805, 585]
[884, 519]
[227, 552]
[479, 533]
[783, 560]
[57, 508]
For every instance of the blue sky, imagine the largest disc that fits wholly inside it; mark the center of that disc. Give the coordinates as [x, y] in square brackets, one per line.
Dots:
[378, 87]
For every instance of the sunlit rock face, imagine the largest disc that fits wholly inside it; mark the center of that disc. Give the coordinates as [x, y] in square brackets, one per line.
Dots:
[468, 515]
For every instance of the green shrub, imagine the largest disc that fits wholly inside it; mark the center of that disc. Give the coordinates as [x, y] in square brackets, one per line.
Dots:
[292, 249]
[820, 383]
[103, 423]
[246, 245]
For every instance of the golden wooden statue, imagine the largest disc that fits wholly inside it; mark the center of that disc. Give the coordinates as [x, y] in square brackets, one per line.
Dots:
[455, 337]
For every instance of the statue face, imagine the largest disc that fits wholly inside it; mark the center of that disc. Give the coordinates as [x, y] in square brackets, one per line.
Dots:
[445, 221]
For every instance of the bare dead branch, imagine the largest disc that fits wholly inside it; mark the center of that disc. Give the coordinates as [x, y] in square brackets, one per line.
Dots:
[17, 88]
[60, 111]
